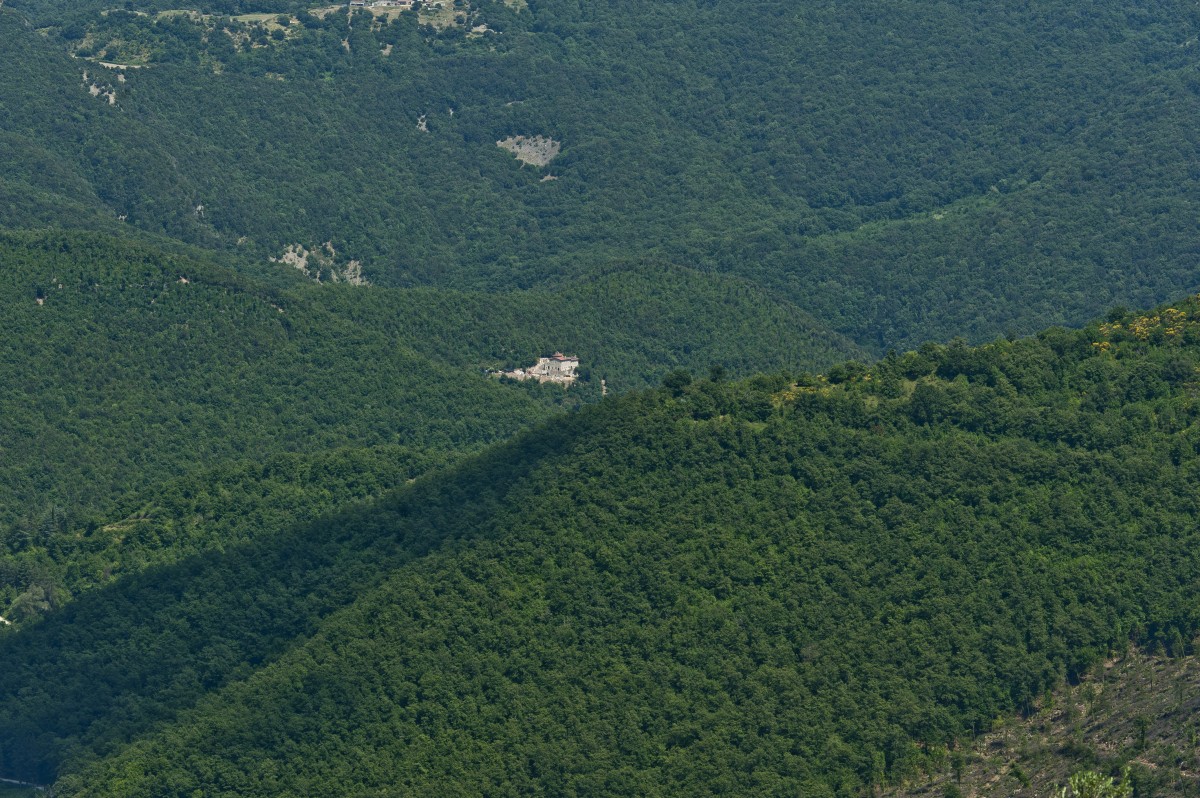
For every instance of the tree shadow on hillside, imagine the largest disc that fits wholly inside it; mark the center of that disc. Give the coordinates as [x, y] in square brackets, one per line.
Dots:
[122, 659]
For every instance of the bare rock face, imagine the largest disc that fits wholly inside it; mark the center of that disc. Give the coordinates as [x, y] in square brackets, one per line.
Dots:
[533, 150]
[320, 264]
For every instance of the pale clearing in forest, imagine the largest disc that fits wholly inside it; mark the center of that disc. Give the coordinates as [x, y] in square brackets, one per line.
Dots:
[102, 92]
[534, 150]
[388, 12]
[441, 15]
[269, 21]
[321, 266]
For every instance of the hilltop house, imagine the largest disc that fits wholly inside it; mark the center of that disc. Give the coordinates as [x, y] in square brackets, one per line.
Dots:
[557, 368]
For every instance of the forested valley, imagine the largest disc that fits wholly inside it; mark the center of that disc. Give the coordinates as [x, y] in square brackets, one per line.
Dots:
[883, 435]
[901, 173]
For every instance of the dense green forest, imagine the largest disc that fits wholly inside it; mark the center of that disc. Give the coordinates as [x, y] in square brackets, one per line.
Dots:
[46, 564]
[632, 324]
[793, 583]
[126, 365]
[132, 371]
[901, 173]
[270, 523]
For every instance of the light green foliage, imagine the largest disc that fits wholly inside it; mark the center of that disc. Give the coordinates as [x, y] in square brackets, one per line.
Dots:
[1090, 784]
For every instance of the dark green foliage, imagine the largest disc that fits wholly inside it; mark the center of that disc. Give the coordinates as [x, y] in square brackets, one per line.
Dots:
[901, 173]
[126, 379]
[630, 325]
[218, 616]
[45, 563]
[784, 585]
[764, 587]
[125, 374]
[9, 791]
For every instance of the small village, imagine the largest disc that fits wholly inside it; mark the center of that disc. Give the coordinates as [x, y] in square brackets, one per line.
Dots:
[558, 368]
[402, 4]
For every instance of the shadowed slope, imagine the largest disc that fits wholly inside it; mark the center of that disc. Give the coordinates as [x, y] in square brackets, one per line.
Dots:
[121, 659]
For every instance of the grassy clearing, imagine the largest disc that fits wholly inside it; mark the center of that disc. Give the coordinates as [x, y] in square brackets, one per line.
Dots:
[269, 21]
[180, 12]
[441, 14]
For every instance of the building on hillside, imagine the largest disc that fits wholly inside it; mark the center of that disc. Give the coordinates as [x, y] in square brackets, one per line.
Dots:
[558, 368]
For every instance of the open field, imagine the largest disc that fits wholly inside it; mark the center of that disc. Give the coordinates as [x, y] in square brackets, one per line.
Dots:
[270, 21]
[441, 14]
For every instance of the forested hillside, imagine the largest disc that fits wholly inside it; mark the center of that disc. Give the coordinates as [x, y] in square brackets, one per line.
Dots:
[271, 523]
[901, 173]
[131, 373]
[632, 324]
[126, 365]
[787, 584]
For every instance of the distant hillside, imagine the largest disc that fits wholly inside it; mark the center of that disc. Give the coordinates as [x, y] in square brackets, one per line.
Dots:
[44, 565]
[135, 372]
[631, 325]
[127, 366]
[901, 173]
[791, 584]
